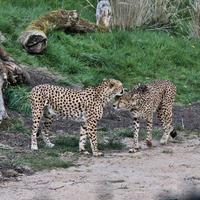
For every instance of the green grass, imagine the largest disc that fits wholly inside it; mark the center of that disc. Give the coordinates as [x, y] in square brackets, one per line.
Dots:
[111, 144]
[50, 158]
[18, 125]
[45, 158]
[42, 160]
[130, 56]
[127, 132]
[17, 98]
[35, 160]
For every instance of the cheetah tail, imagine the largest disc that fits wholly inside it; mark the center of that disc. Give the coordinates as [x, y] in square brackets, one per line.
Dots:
[173, 134]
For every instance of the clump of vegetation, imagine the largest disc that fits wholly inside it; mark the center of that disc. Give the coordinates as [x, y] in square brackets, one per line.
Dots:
[111, 144]
[18, 125]
[125, 132]
[18, 99]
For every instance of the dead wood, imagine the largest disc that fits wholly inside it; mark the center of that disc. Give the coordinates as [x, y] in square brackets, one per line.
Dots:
[10, 73]
[34, 38]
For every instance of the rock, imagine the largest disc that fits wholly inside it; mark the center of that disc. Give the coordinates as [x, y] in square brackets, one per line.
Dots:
[2, 38]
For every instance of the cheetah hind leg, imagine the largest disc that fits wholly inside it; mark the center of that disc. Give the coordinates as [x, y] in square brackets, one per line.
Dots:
[136, 127]
[82, 141]
[168, 132]
[48, 120]
[37, 115]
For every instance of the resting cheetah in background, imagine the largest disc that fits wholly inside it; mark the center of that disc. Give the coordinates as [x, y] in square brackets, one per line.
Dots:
[142, 101]
[84, 105]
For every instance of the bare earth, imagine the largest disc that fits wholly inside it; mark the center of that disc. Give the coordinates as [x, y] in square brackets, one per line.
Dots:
[149, 174]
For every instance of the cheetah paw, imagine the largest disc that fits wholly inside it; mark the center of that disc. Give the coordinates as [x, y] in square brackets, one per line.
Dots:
[149, 143]
[133, 150]
[97, 154]
[163, 142]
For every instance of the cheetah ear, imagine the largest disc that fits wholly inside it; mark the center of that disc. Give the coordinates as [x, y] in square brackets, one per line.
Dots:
[142, 88]
[111, 85]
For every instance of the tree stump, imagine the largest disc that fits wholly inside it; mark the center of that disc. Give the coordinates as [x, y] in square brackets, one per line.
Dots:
[12, 73]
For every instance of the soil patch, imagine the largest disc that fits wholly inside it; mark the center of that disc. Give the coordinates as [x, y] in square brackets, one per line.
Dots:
[149, 174]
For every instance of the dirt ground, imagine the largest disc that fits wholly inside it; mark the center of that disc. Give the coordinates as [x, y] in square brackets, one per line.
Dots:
[171, 170]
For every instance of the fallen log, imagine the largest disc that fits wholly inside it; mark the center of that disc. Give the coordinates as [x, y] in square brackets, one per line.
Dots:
[34, 38]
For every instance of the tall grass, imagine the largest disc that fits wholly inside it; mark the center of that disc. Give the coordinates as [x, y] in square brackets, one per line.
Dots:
[135, 13]
[195, 23]
[130, 13]
[17, 98]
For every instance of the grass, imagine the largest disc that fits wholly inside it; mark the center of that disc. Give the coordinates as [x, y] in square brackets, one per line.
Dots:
[41, 161]
[17, 98]
[51, 158]
[127, 132]
[121, 55]
[45, 158]
[111, 144]
[35, 160]
[18, 125]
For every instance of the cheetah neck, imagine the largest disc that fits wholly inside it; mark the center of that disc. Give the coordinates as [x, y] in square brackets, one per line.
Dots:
[102, 94]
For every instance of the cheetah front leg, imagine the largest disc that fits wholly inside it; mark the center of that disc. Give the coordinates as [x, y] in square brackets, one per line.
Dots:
[165, 116]
[37, 115]
[83, 139]
[48, 119]
[91, 131]
[149, 132]
[136, 127]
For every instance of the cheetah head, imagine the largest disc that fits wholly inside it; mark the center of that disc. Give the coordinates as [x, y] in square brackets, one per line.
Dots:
[130, 100]
[113, 88]
[122, 102]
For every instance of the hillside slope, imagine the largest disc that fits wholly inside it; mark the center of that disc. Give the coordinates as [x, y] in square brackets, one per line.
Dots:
[132, 57]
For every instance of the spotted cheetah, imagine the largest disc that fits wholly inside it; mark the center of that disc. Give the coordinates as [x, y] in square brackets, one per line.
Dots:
[143, 101]
[84, 105]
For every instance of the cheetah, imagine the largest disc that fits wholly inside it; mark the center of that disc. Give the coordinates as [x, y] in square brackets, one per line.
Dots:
[143, 101]
[85, 105]
[103, 13]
